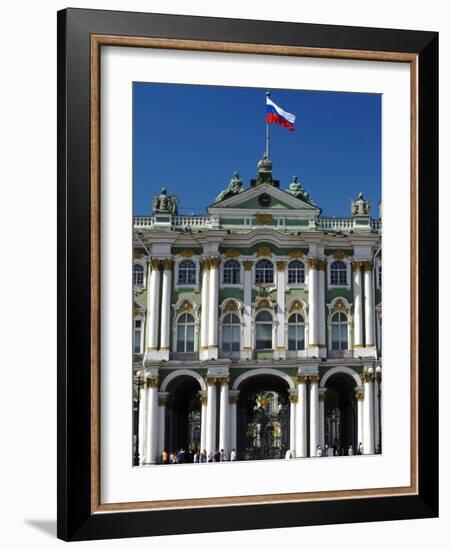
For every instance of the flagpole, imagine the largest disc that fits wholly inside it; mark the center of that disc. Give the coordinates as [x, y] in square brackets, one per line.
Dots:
[267, 132]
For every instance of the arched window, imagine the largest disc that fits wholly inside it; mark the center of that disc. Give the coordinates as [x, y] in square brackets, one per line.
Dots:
[263, 330]
[137, 336]
[138, 274]
[296, 272]
[263, 272]
[185, 333]
[231, 335]
[231, 272]
[339, 331]
[338, 274]
[187, 273]
[296, 332]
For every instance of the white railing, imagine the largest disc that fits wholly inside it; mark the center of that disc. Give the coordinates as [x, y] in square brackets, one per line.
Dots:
[191, 221]
[143, 221]
[375, 224]
[336, 223]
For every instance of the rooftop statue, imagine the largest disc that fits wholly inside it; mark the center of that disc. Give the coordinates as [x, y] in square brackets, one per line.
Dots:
[234, 187]
[164, 203]
[296, 189]
[360, 207]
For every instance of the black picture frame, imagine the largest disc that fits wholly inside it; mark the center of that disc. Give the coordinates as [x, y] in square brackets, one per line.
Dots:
[75, 478]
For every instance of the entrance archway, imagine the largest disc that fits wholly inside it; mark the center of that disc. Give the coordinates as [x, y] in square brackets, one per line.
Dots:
[263, 418]
[183, 414]
[341, 422]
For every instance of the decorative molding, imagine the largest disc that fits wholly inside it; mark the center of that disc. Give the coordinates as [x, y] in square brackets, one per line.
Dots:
[338, 306]
[155, 264]
[339, 255]
[152, 382]
[248, 264]
[186, 253]
[205, 264]
[368, 265]
[214, 263]
[296, 306]
[167, 264]
[296, 254]
[321, 265]
[293, 398]
[359, 395]
[357, 266]
[313, 263]
[231, 306]
[302, 379]
[281, 266]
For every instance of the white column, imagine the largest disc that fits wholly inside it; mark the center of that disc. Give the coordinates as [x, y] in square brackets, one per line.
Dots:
[211, 416]
[224, 419]
[322, 417]
[300, 421]
[247, 345]
[377, 409]
[321, 307]
[313, 415]
[357, 297]
[213, 307]
[142, 420]
[368, 435]
[153, 307]
[152, 421]
[293, 398]
[313, 305]
[360, 414]
[204, 400]
[204, 321]
[368, 304]
[165, 306]
[281, 289]
[162, 401]
[233, 419]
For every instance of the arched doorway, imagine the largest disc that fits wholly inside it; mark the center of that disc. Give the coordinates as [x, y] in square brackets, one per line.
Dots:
[341, 422]
[263, 418]
[183, 414]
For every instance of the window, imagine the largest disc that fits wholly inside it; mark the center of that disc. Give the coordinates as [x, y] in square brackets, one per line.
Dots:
[138, 274]
[187, 273]
[296, 332]
[137, 335]
[231, 272]
[296, 273]
[338, 274]
[380, 278]
[263, 272]
[339, 332]
[264, 330]
[185, 333]
[231, 335]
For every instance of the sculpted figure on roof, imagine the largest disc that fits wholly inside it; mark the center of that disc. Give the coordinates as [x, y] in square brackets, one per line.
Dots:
[234, 187]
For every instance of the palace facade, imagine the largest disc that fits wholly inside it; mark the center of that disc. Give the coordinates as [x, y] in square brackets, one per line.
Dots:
[257, 327]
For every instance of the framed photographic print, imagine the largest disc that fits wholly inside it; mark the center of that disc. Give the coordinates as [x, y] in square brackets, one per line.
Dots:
[247, 274]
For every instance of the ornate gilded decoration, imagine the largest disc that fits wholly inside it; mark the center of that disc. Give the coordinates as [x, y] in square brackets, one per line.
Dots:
[338, 306]
[302, 379]
[313, 263]
[321, 265]
[186, 253]
[367, 376]
[264, 218]
[339, 255]
[156, 264]
[248, 264]
[293, 398]
[231, 306]
[167, 264]
[214, 262]
[368, 265]
[296, 254]
[263, 303]
[185, 306]
[204, 399]
[359, 396]
[357, 265]
[263, 251]
[232, 253]
[296, 306]
[205, 263]
[137, 254]
[281, 266]
[314, 379]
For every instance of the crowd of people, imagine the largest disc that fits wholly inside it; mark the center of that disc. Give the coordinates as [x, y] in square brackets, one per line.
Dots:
[189, 456]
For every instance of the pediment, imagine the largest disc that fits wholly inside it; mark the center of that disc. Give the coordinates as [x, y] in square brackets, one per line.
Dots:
[261, 198]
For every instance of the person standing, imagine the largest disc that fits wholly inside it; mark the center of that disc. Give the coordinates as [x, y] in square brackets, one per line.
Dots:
[233, 455]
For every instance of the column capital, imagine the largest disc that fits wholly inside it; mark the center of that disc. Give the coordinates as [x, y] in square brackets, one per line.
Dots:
[248, 264]
[359, 395]
[357, 265]
[152, 382]
[155, 264]
[367, 376]
[205, 264]
[167, 264]
[281, 265]
[214, 262]
[162, 398]
[293, 398]
[313, 263]
[302, 379]
[368, 265]
[314, 379]
[321, 265]
[322, 393]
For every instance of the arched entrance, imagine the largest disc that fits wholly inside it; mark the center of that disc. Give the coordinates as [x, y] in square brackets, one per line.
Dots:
[341, 422]
[263, 418]
[183, 414]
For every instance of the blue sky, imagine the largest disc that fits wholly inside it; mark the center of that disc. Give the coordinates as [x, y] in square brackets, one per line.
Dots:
[190, 139]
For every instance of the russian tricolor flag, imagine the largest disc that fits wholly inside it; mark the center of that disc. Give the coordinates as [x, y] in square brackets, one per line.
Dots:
[276, 115]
